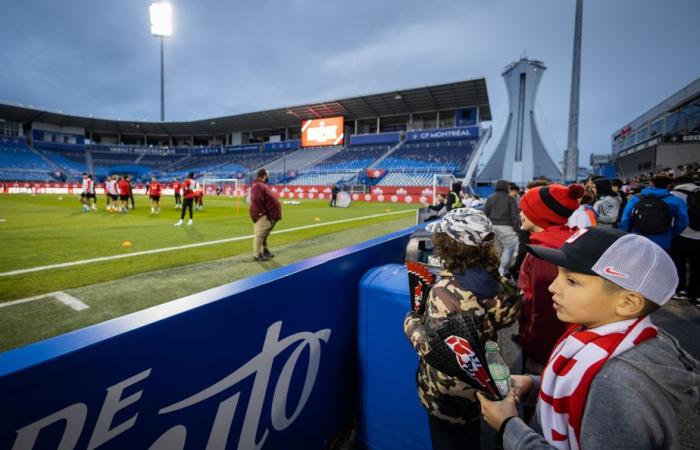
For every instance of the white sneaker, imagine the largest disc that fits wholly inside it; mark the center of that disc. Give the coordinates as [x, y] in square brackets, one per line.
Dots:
[189, 222]
[179, 222]
[153, 210]
[94, 208]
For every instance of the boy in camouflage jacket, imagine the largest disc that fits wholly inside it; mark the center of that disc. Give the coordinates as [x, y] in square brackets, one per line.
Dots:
[470, 283]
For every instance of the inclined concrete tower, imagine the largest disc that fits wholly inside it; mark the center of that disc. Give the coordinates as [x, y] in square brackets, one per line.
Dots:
[521, 156]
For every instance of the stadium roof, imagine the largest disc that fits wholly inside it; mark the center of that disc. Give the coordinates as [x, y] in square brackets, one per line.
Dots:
[399, 102]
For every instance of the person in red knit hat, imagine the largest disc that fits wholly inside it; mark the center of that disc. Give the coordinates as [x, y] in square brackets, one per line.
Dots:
[544, 212]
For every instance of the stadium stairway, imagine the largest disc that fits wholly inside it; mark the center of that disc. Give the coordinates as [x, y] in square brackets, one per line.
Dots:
[167, 168]
[88, 161]
[56, 167]
[385, 155]
[301, 159]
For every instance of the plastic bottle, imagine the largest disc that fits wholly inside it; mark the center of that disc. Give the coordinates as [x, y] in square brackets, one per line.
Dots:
[498, 368]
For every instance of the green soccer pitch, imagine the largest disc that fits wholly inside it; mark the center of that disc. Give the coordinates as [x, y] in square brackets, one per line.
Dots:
[63, 269]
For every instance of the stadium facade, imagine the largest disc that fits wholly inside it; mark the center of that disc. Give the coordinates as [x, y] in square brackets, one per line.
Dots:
[395, 138]
[520, 155]
[667, 135]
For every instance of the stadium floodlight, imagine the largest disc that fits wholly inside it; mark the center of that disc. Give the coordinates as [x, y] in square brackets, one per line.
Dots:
[161, 19]
[161, 26]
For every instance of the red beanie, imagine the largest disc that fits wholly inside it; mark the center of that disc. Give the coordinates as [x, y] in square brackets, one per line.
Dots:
[551, 205]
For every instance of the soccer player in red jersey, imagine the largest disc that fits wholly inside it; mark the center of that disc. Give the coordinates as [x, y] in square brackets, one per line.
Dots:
[124, 194]
[177, 187]
[154, 195]
[188, 190]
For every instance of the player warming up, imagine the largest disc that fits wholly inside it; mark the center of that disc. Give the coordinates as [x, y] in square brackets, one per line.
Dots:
[177, 189]
[188, 190]
[154, 195]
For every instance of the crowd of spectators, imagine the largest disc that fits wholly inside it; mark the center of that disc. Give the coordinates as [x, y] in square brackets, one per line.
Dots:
[603, 254]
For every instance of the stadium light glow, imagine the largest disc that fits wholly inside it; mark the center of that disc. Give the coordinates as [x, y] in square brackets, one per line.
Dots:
[162, 27]
[161, 19]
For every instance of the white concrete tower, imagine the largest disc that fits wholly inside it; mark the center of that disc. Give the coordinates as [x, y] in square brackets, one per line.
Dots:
[521, 156]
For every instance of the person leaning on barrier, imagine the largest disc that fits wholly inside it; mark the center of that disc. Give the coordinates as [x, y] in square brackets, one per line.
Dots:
[469, 284]
[265, 211]
[438, 208]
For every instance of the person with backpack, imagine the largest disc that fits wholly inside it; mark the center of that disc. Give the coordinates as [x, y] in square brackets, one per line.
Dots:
[655, 213]
[685, 248]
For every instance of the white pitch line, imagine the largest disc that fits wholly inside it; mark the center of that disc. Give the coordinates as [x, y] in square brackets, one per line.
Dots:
[62, 297]
[182, 247]
[70, 301]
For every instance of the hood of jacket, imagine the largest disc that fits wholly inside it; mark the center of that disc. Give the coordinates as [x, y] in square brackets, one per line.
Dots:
[654, 192]
[502, 186]
[603, 187]
[479, 281]
[552, 237]
[675, 372]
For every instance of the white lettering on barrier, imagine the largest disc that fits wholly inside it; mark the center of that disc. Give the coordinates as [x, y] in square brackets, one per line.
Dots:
[174, 438]
[74, 415]
[112, 404]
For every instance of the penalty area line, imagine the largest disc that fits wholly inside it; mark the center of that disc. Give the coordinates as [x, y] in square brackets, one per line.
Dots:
[195, 245]
[62, 297]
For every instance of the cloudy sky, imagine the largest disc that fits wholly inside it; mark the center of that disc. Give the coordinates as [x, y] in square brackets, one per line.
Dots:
[233, 56]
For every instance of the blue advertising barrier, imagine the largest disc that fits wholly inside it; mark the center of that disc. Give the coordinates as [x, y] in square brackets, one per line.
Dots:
[443, 134]
[243, 148]
[50, 136]
[6, 141]
[284, 145]
[375, 138]
[268, 361]
[207, 150]
[391, 417]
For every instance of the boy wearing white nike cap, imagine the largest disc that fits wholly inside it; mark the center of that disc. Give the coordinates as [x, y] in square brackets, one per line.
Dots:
[613, 380]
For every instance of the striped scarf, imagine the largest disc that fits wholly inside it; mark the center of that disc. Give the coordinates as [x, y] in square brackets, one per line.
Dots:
[575, 361]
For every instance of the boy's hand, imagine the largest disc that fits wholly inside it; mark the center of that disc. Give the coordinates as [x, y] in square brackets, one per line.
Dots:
[523, 384]
[495, 412]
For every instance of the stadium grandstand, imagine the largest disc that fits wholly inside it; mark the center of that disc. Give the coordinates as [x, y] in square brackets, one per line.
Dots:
[393, 139]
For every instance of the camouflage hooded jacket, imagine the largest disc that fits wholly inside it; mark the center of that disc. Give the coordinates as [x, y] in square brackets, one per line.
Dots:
[494, 304]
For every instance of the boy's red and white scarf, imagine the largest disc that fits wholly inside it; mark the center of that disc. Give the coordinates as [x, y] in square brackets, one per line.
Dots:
[576, 359]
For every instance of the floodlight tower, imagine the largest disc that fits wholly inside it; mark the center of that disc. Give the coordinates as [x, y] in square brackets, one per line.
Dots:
[161, 26]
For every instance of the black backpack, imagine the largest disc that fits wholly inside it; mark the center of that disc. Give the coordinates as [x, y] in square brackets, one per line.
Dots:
[692, 200]
[651, 215]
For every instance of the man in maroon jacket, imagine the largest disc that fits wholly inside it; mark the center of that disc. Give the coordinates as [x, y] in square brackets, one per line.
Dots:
[266, 211]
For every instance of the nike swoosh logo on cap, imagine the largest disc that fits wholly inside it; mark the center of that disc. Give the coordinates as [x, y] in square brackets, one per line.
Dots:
[612, 272]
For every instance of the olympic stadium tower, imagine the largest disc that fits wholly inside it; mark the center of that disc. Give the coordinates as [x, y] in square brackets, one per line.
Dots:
[521, 156]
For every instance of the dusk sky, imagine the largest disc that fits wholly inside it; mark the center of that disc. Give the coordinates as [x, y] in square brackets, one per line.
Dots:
[227, 57]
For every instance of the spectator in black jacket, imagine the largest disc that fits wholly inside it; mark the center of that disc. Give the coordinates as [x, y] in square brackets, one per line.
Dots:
[438, 208]
[502, 209]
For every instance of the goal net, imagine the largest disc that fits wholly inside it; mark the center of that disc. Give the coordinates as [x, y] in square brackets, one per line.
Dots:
[442, 183]
[223, 187]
